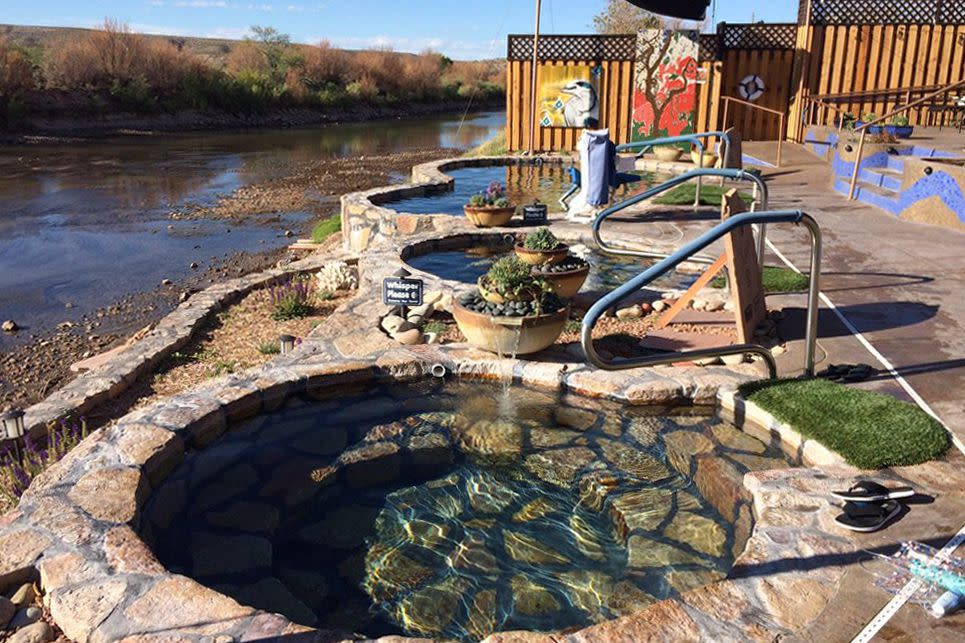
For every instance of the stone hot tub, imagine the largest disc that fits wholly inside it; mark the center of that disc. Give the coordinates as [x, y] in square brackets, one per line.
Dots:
[456, 509]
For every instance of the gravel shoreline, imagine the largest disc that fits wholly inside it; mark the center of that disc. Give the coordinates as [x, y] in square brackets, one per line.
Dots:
[31, 371]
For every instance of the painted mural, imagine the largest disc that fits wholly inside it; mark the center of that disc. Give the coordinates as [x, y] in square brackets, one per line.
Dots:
[569, 95]
[665, 84]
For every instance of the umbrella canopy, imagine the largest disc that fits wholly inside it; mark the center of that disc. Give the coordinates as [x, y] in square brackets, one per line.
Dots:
[686, 9]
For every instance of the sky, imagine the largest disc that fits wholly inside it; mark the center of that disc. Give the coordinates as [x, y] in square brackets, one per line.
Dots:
[458, 28]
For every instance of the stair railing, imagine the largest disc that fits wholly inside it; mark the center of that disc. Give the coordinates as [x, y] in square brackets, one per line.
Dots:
[863, 128]
[643, 195]
[767, 110]
[682, 254]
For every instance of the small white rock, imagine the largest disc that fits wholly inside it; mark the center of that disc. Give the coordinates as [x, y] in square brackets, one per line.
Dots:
[408, 337]
[630, 312]
[729, 305]
[391, 323]
[10, 326]
[714, 305]
[659, 305]
[698, 304]
[431, 338]
[38, 632]
[733, 360]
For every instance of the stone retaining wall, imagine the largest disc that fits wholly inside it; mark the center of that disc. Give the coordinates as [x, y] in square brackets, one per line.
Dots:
[365, 222]
[109, 380]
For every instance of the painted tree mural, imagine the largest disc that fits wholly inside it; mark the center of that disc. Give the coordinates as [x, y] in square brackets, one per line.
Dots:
[665, 84]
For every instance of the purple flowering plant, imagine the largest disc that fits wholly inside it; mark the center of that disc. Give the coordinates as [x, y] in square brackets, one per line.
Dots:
[494, 196]
[16, 475]
[291, 299]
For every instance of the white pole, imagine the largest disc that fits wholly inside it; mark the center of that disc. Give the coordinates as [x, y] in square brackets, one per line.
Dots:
[534, 119]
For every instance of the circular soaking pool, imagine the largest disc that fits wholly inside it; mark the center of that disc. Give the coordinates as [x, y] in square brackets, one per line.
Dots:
[524, 184]
[607, 271]
[457, 509]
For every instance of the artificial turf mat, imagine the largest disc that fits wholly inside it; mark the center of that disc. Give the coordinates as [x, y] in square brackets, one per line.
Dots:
[869, 430]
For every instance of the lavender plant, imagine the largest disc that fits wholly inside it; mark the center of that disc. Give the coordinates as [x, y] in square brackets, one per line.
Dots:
[493, 197]
[16, 475]
[291, 299]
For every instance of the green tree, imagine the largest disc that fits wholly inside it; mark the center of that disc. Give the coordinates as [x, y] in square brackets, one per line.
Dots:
[621, 17]
[277, 49]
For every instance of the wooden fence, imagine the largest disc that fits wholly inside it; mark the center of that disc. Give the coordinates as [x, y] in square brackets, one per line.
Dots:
[837, 46]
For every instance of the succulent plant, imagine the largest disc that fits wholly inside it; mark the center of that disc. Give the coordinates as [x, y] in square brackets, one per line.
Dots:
[541, 239]
[511, 277]
[493, 197]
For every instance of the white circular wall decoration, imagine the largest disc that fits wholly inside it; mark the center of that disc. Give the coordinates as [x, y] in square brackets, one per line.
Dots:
[751, 87]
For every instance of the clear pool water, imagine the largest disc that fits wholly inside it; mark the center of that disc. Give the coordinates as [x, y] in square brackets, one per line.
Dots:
[524, 184]
[454, 510]
[606, 271]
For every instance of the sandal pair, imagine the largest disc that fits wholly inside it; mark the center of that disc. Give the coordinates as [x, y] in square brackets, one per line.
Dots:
[847, 372]
[870, 506]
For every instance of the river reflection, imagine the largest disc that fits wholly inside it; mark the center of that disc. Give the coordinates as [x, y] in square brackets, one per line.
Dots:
[87, 223]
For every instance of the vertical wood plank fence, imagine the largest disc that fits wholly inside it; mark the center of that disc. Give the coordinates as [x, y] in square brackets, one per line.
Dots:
[836, 46]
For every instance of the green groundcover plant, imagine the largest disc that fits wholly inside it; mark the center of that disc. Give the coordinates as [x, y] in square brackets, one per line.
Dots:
[541, 239]
[869, 430]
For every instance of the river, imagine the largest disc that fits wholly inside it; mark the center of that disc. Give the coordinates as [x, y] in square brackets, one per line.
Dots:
[84, 224]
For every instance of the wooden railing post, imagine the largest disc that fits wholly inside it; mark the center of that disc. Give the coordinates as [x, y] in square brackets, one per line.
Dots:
[857, 164]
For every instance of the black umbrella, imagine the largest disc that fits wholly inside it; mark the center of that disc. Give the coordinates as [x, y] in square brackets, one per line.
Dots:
[686, 9]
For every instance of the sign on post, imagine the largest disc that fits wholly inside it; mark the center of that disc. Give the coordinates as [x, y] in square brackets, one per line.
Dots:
[535, 214]
[400, 291]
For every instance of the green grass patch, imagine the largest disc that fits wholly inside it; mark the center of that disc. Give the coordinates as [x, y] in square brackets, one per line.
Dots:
[496, 146]
[326, 228]
[776, 280]
[709, 195]
[869, 430]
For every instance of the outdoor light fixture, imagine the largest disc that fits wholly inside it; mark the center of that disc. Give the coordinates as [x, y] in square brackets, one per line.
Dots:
[14, 428]
[286, 343]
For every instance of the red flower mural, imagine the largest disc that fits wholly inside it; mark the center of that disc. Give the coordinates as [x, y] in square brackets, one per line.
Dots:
[665, 96]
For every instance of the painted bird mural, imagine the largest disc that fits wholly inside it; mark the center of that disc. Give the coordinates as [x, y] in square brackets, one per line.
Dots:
[583, 104]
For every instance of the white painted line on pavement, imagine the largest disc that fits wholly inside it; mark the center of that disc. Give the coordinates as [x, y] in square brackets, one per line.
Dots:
[912, 393]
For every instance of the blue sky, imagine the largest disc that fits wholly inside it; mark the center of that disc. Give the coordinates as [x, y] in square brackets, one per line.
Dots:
[456, 28]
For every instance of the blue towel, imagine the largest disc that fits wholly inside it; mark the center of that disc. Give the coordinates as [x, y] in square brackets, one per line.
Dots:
[602, 171]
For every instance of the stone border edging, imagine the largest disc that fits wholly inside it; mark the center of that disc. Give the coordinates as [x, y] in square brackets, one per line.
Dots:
[172, 332]
[757, 422]
[366, 222]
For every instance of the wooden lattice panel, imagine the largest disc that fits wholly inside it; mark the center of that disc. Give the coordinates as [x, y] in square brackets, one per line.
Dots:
[884, 12]
[589, 47]
[707, 47]
[759, 36]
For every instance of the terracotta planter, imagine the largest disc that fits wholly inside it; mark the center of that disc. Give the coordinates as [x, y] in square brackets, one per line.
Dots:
[707, 159]
[566, 284]
[542, 257]
[668, 154]
[509, 335]
[489, 217]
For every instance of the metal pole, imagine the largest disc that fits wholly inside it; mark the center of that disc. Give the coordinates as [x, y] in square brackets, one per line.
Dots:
[534, 119]
[811, 336]
[780, 141]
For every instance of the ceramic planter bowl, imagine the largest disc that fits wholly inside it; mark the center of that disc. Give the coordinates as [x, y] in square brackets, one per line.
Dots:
[668, 154]
[705, 159]
[541, 257]
[566, 284]
[900, 131]
[489, 217]
[509, 335]
[494, 297]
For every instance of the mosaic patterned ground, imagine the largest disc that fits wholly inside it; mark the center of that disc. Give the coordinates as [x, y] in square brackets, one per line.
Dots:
[456, 510]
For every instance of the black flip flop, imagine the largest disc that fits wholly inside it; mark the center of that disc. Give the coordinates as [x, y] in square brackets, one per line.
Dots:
[868, 517]
[835, 371]
[868, 491]
[858, 373]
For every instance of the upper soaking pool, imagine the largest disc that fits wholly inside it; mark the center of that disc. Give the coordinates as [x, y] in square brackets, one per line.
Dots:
[457, 509]
[524, 184]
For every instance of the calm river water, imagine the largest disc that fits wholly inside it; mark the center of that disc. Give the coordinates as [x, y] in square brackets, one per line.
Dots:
[89, 223]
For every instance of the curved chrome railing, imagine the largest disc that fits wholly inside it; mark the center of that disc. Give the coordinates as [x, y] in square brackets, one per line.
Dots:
[647, 276]
[643, 195]
[643, 146]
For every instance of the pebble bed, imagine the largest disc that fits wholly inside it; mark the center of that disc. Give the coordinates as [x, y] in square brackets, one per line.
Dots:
[475, 302]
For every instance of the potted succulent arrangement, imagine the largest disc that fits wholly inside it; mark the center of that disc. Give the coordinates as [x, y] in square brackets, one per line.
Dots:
[491, 208]
[899, 127]
[705, 158]
[868, 117]
[541, 247]
[845, 120]
[526, 316]
[668, 153]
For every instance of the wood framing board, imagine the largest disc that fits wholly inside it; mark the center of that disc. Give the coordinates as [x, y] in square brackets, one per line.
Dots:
[746, 288]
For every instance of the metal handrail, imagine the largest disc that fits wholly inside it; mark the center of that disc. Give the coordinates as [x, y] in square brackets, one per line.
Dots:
[724, 173]
[863, 128]
[647, 276]
[782, 132]
[683, 138]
